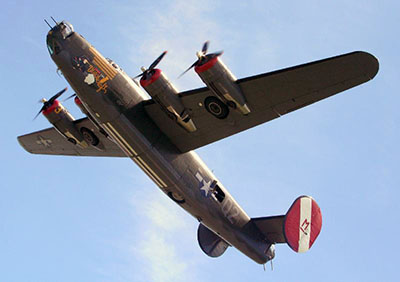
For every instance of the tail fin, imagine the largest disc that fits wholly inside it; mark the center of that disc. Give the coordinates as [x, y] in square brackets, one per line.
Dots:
[298, 228]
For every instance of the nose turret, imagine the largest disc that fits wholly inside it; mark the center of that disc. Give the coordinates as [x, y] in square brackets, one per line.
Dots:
[61, 30]
[57, 34]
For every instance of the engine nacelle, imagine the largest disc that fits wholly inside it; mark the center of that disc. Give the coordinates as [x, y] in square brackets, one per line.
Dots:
[63, 121]
[165, 94]
[222, 83]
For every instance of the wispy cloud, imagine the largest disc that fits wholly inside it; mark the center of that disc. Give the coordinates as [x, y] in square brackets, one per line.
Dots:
[164, 263]
[181, 27]
[165, 232]
[165, 235]
[168, 245]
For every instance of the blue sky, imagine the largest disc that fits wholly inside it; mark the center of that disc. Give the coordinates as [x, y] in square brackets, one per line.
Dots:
[88, 219]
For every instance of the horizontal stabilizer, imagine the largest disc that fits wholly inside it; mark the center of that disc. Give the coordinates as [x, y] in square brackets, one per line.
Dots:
[271, 227]
[211, 244]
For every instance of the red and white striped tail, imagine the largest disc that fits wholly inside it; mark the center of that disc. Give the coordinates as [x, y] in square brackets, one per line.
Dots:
[302, 224]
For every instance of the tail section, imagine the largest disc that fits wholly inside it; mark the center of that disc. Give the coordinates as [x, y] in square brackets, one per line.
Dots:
[299, 228]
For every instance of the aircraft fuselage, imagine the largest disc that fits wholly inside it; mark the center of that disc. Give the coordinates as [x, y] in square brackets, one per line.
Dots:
[115, 101]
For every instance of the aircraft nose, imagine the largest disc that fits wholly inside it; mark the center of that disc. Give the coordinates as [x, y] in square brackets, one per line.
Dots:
[57, 35]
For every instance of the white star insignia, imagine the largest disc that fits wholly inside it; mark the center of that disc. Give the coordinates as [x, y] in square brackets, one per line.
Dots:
[205, 185]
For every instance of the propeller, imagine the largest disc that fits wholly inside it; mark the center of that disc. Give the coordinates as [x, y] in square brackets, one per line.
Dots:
[69, 97]
[203, 56]
[49, 103]
[146, 72]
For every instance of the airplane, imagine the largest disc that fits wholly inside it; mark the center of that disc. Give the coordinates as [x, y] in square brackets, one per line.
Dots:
[160, 134]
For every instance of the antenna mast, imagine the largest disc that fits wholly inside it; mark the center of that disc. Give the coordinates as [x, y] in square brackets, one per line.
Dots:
[47, 23]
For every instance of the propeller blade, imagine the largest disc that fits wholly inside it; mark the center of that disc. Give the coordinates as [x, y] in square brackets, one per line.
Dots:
[52, 99]
[155, 63]
[139, 75]
[205, 47]
[72, 96]
[194, 64]
[216, 54]
[41, 110]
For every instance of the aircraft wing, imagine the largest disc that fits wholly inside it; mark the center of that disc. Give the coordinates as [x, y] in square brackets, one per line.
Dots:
[269, 95]
[50, 142]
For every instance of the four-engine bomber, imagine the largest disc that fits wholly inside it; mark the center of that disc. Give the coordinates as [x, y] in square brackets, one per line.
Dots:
[161, 134]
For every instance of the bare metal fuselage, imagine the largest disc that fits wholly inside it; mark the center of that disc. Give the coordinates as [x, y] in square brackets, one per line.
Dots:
[116, 103]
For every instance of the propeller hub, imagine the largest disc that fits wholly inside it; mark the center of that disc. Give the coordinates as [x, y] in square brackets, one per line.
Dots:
[146, 72]
[203, 58]
[50, 103]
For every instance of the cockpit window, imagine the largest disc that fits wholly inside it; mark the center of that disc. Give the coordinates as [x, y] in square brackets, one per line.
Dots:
[50, 45]
[53, 46]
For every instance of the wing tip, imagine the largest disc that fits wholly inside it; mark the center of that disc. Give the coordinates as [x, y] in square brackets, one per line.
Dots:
[370, 63]
[19, 139]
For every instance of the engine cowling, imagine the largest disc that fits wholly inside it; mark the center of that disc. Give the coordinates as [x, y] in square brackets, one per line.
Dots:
[63, 121]
[165, 94]
[222, 83]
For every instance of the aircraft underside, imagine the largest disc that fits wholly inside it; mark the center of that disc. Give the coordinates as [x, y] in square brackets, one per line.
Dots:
[160, 134]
